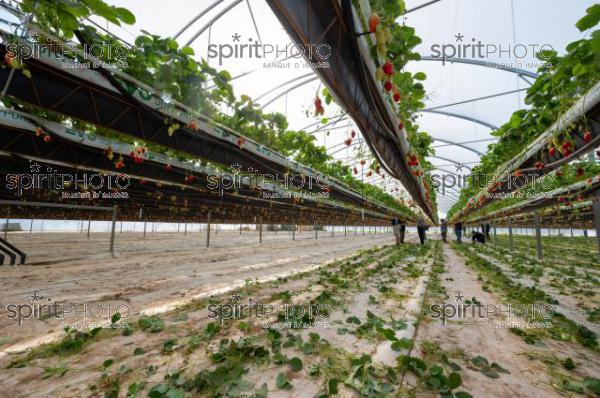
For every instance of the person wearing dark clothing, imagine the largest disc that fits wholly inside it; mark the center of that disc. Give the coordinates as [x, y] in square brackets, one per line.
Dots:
[444, 230]
[396, 229]
[486, 230]
[399, 230]
[422, 229]
[478, 237]
[458, 230]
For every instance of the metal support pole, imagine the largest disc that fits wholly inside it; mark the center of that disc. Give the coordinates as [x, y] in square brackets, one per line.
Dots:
[571, 227]
[208, 230]
[31, 226]
[495, 238]
[260, 229]
[240, 229]
[596, 207]
[112, 229]
[185, 229]
[120, 231]
[89, 226]
[6, 224]
[294, 231]
[363, 230]
[345, 234]
[332, 229]
[316, 230]
[538, 237]
[585, 232]
[145, 222]
[510, 235]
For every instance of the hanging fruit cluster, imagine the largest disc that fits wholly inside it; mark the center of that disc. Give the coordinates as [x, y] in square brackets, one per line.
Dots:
[319, 110]
[39, 132]
[120, 163]
[109, 153]
[138, 154]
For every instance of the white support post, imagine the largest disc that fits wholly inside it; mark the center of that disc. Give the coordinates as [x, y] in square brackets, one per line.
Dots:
[112, 229]
[538, 237]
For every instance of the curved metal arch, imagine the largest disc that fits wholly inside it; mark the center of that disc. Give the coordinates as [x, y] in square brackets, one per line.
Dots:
[451, 161]
[282, 85]
[197, 17]
[486, 64]
[460, 116]
[312, 79]
[458, 145]
[339, 117]
[212, 20]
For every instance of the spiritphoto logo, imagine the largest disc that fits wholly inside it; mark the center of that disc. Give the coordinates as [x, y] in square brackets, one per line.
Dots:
[525, 315]
[294, 316]
[40, 307]
[517, 55]
[250, 48]
[291, 183]
[87, 58]
[444, 182]
[85, 186]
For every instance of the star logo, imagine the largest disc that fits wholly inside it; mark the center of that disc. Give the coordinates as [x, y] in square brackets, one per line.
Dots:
[236, 37]
[459, 37]
[236, 298]
[35, 167]
[35, 298]
[236, 168]
[459, 297]
[459, 166]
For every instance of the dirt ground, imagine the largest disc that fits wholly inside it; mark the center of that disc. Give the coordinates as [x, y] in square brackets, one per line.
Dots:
[151, 274]
[167, 273]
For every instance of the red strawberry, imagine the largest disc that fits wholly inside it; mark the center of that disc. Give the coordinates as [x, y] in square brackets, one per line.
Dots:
[353, 134]
[119, 165]
[47, 138]
[401, 126]
[193, 125]
[362, 162]
[373, 22]
[396, 97]
[580, 172]
[8, 57]
[518, 173]
[587, 137]
[388, 68]
[388, 85]
[552, 151]
[355, 170]
[539, 165]
[348, 141]
[168, 167]
[240, 142]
